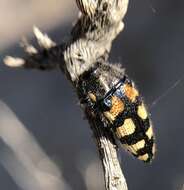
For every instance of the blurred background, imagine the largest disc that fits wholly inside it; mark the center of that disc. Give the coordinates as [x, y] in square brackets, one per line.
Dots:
[44, 141]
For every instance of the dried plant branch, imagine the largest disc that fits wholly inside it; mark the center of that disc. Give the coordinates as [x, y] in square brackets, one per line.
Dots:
[114, 178]
[90, 43]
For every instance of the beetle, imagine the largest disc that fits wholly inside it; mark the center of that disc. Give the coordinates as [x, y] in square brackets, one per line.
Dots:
[106, 92]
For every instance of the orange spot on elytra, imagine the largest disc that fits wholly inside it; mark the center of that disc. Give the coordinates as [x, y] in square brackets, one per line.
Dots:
[130, 92]
[117, 107]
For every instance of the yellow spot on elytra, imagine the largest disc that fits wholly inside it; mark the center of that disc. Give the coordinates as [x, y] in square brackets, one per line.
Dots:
[154, 149]
[130, 92]
[139, 145]
[143, 157]
[92, 97]
[117, 107]
[142, 113]
[129, 148]
[149, 132]
[127, 128]
[109, 116]
[134, 148]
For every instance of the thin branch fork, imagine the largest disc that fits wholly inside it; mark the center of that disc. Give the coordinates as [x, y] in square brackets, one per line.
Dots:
[90, 42]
